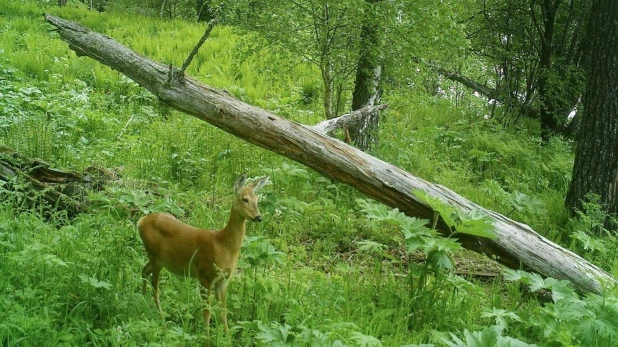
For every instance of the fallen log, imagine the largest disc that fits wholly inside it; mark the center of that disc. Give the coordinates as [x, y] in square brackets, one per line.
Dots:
[515, 246]
[33, 183]
[36, 184]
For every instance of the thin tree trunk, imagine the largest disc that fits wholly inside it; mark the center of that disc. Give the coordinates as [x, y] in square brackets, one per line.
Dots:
[549, 123]
[516, 245]
[596, 157]
[327, 80]
[162, 10]
[368, 73]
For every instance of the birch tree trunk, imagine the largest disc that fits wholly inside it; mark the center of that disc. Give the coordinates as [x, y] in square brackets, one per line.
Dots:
[364, 135]
[516, 245]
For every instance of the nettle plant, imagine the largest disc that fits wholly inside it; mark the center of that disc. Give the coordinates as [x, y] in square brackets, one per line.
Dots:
[567, 320]
[124, 200]
[589, 235]
[419, 237]
[570, 319]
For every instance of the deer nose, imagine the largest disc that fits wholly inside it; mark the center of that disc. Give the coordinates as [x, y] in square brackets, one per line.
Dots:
[258, 219]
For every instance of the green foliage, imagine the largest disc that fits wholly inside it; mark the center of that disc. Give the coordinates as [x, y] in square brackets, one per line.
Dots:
[473, 222]
[533, 67]
[123, 198]
[570, 319]
[326, 266]
[588, 234]
[594, 217]
[260, 252]
[330, 334]
[323, 33]
[487, 337]
[416, 234]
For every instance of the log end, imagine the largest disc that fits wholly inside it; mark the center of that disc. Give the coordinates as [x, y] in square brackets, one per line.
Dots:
[63, 24]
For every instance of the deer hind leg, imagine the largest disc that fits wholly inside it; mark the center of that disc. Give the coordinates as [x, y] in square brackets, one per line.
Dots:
[146, 273]
[220, 294]
[156, 272]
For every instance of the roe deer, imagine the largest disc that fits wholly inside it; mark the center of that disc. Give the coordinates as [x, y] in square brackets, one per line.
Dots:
[211, 256]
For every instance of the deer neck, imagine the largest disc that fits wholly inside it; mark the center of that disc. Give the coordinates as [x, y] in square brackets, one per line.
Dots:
[234, 232]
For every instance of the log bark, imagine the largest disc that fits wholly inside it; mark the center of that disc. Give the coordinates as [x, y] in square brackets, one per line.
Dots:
[516, 245]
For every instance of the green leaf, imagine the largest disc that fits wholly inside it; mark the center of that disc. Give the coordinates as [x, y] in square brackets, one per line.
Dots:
[365, 340]
[514, 275]
[501, 316]
[488, 337]
[140, 198]
[95, 282]
[371, 246]
[440, 259]
[560, 289]
[476, 223]
[415, 243]
[52, 259]
[536, 282]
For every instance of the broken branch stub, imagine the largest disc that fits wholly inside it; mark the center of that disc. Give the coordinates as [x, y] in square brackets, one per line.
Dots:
[328, 126]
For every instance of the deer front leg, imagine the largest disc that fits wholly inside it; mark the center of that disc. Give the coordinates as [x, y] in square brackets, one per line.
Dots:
[221, 293]
[206, 311]
[205, 291]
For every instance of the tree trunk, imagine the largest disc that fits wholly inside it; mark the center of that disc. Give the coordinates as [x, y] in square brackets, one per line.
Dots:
[549, 123]
[368, 72]
[204, 11]
[516, 245]
[596, 156]
[327, 81]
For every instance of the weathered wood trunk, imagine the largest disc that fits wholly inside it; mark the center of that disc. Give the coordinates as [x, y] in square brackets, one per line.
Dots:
[516, 245]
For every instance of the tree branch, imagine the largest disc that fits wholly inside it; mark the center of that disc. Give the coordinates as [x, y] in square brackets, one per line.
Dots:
[187, 62]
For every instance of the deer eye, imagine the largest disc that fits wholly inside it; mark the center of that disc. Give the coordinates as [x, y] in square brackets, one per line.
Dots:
[245, 200]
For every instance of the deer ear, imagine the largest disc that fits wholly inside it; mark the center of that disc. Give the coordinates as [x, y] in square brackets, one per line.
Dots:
[259, 184]
[240, 182]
